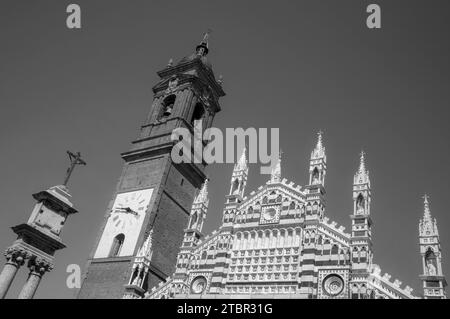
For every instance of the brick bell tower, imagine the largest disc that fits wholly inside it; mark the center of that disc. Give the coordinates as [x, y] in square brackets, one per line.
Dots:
[154, 195]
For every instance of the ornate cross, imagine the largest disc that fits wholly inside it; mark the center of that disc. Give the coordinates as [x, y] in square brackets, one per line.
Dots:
[75, 159]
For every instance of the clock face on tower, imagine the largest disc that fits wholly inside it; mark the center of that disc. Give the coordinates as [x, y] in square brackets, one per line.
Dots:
[128, 209]
[125, 220]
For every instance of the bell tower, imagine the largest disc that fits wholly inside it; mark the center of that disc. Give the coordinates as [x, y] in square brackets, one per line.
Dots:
[318, 163]
[361, 236]
[237, 188]
[154, 194]
[433, 279]
[315, 197]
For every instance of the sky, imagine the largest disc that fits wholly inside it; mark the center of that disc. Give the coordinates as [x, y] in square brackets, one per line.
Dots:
[301, 66]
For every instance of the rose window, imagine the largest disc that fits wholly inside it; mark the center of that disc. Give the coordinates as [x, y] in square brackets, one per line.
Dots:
[333, 285]
[198, 285]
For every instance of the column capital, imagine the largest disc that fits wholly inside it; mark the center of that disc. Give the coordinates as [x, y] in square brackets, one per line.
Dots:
[39, 266]
[16, 256]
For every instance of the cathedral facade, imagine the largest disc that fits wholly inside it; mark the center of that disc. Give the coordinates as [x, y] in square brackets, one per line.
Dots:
[275, 242]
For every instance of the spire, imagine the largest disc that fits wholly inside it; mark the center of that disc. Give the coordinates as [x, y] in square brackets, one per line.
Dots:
[362, 175]
[427, 225]
[276, 171]
[242, 163]
[319, 150]
[239, 176]
[362, 164]
[146, 248]
[319, 145]
[431, 255]
[426, 212]
[202, 196]
[203, 48]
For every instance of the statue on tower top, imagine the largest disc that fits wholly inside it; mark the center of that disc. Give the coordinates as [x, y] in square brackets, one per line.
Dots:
[203, 48]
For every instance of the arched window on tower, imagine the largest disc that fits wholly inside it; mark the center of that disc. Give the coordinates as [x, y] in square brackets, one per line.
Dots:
[315, 176]
[117, 245]
[167, 107]
[199, 111]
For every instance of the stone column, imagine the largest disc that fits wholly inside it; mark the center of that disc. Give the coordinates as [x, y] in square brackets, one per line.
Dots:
[37, 267]
[14, 259]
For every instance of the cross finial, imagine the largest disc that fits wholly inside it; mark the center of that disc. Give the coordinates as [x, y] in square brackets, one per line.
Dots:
[75, 159]
[206, 35]
[425, 199]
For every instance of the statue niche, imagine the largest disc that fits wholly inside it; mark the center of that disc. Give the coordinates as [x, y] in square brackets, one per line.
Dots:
[430, 262]
[360, 204]
[315, 177]
[235, 187]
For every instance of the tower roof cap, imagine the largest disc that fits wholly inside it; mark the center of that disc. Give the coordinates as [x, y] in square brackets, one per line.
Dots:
[201, 51]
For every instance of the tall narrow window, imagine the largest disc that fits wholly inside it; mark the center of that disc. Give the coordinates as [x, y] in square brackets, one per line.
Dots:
[117, 245]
